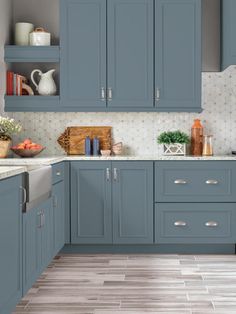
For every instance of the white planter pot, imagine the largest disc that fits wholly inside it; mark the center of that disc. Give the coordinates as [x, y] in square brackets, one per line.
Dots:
[175, 149]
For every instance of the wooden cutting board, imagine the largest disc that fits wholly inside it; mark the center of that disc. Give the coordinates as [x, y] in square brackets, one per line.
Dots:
[73, 139]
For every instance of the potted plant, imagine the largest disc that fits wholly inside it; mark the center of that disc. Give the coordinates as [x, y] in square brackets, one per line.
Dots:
[174, 143]
[8, 127]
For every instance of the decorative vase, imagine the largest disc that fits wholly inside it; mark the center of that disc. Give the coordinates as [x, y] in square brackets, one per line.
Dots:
[4, 148]
[174, 149]
[46, 86]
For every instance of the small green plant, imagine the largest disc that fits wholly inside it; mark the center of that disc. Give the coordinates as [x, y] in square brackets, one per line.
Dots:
[8, 127]
[173, 137]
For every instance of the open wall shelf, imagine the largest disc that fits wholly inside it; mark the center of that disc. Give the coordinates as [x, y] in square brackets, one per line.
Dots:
[28, 103]
[32, 54]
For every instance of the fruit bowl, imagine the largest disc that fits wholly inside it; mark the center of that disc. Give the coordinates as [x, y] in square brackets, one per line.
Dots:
[27, 153]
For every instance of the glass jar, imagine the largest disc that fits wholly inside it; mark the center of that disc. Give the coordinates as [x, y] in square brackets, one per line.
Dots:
[207, 145]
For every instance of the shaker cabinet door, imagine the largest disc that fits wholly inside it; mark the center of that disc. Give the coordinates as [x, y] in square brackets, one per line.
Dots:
[132, 202]
[10, 244]
[228, 33]
[91, 211]
[130, 28]
[178, 55]
[83, 53]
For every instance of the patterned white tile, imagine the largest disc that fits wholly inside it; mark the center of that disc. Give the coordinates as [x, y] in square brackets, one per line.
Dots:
[139, 131]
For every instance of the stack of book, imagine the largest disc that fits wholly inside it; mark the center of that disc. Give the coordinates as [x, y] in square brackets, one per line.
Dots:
[15, 84]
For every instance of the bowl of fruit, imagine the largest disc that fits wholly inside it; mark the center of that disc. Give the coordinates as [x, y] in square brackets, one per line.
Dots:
[27, 149]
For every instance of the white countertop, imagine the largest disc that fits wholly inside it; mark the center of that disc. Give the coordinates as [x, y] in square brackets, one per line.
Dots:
[13, 166]
[6, 172]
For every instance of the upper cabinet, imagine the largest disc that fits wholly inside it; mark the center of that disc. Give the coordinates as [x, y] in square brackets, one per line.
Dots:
[117, 55]
[228, 33]
[130, 54]
[83, 53]
[107, 54]
[178, 55]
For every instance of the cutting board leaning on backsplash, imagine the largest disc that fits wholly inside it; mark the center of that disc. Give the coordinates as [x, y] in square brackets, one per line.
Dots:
[73, 139]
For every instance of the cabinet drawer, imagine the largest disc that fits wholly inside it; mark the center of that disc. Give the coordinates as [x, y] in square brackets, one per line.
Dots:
[195, 181]
[195, 223]
[58, 172]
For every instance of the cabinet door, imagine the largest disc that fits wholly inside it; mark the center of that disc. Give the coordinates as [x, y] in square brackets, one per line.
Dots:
[47, 234]
[91, 216]
[130, 54]
[178, 55]
[83, 53]
[228, 34]
[132, 202]
[10, 244]
[31, 247]
[58, 216]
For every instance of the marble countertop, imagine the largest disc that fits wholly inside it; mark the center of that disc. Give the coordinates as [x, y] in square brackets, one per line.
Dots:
[13, 166]
[6, 172]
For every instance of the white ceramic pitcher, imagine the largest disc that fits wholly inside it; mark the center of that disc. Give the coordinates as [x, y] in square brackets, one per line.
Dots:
[46, 86]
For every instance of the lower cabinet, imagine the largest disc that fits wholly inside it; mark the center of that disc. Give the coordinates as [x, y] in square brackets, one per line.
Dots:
[111, 202]
[58, 203]
[190, 223]
[10, 244]
[132, 195]
[37, 242]
[91, 214]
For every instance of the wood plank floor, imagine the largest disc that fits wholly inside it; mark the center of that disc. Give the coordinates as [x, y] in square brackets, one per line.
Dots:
[134, 284]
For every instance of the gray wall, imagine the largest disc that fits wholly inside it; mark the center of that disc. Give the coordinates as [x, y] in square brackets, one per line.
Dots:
[5, 23]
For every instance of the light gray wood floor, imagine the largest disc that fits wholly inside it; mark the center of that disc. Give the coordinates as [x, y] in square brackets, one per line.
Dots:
[134, 284]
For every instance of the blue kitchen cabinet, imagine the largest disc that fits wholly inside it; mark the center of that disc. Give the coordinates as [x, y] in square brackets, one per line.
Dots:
[132, 196]
[58, 200]
[191, 181]
[10, 244]
[83, 54]
[37, 242]
[228, 33]
[178, 55]
[189, 223]
[130, 29]
[91, 213]
[111, 202]
[31, 247]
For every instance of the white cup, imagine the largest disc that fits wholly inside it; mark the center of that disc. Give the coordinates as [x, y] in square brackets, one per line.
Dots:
[22, 31]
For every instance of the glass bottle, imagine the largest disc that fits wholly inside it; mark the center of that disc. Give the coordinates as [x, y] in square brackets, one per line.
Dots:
[207, 145]
[197, 138]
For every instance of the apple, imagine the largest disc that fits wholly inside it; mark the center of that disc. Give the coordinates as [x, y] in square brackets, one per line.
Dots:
[27, 141]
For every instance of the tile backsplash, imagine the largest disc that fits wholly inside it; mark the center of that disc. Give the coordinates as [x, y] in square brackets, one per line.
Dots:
[139, 131]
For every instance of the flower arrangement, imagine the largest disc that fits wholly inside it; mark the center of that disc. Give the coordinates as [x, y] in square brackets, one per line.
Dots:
[8, 127]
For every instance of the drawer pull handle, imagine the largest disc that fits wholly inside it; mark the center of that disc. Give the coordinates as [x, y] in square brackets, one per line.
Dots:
[180, 182]
[108, 174]
[211, 224]
[180, 224]
[212, 182]
[58, 173]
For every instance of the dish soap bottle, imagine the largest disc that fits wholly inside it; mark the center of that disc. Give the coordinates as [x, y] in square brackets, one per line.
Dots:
[197, 138]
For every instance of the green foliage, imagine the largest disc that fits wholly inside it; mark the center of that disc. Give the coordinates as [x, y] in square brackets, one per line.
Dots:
[173, 137]
[8, 127]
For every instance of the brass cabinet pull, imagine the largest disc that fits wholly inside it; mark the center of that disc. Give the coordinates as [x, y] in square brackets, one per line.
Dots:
[180, 224]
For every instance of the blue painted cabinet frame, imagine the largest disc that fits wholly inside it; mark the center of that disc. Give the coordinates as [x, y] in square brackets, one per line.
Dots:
[228, 33]
[132, 195]
[10, 243]
[111, 202]
[178, 55]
